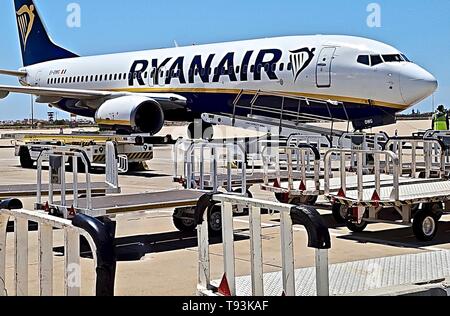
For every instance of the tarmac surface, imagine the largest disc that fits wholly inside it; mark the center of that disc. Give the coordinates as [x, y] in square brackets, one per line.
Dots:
[168, 264]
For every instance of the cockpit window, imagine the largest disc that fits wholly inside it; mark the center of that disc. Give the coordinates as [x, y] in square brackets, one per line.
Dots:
[393, 58]
[376, 60]
[406, 58]
[364, 59]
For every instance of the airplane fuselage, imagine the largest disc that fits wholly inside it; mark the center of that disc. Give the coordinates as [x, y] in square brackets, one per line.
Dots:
[371, 79]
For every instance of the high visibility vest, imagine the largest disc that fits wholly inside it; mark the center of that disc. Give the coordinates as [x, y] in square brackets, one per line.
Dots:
[440, 122]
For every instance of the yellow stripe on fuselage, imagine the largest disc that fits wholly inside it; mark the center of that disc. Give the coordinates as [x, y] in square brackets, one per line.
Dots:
[113, 122]
[236, 91]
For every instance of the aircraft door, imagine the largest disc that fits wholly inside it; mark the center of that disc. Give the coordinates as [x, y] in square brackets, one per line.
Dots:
[323, 69]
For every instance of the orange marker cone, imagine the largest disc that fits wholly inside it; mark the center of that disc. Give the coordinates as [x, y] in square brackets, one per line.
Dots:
[224, 288]
[376, 199]
[302, 186]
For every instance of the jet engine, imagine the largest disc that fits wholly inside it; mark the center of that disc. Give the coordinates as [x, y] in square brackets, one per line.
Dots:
[133, 114]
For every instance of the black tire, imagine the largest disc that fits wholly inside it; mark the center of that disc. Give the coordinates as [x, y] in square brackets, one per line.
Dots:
[436, 208]
[207, 130]
[337, 211]
[184, 225]
[357, 228]
[215, 221]
[425, 225]
[25, 159]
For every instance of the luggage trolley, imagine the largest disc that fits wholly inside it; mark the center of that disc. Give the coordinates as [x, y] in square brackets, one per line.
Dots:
[303, 182]
[419, 202]
[303, 160]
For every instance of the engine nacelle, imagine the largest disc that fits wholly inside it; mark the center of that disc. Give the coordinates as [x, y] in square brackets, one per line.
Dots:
[131, 113]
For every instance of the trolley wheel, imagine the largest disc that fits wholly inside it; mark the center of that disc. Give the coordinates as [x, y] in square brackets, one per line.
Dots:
[357, 228]
[243, 211]
[25, 158]
[436, 208]
[215, 221]
[207, 130]
[304, 200]
[425, 225]
[339, 213]
[184, 225]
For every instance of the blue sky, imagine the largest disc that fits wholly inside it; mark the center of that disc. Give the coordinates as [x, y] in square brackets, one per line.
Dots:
[420, 28]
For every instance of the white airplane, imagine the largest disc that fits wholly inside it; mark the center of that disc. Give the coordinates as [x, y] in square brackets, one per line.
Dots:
[367, 81]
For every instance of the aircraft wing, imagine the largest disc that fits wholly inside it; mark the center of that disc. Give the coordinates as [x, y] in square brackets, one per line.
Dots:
[54, 92]
[86, 94]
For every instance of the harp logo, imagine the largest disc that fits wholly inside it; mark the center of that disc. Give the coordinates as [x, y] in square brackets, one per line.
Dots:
[25, 21]
[301, 59]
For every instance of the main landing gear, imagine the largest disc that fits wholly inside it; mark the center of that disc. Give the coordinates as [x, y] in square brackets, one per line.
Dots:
[200, 130]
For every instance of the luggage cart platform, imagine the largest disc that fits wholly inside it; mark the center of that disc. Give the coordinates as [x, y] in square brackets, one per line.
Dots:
[335, 184]
[409, 193]
[116, 204]
[29, 190]
[359, 277]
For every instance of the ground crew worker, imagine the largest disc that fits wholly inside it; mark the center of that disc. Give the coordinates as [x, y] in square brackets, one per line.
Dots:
[441, 119]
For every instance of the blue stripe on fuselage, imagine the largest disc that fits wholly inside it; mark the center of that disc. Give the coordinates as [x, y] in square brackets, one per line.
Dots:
[199, 103]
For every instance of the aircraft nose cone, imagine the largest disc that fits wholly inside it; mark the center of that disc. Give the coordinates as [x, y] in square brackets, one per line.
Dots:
[417, 84]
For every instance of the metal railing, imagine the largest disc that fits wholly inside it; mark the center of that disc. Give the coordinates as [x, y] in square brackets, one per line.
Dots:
[57, 157]
[282, 110]
[57, 177]
[98, 238]
[215, 165]
[391, 164]
[298, 164]
[432, 151]
[319, 239]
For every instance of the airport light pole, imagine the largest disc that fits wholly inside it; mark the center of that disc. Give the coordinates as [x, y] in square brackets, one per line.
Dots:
[32, 111]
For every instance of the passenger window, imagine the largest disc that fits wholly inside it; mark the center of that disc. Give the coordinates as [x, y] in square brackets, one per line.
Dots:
[364, 59]
[115, 76]
[281, 66]
[289, 67]
[376, 60]
[252, 68]
[110, 77]
[238, 69]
